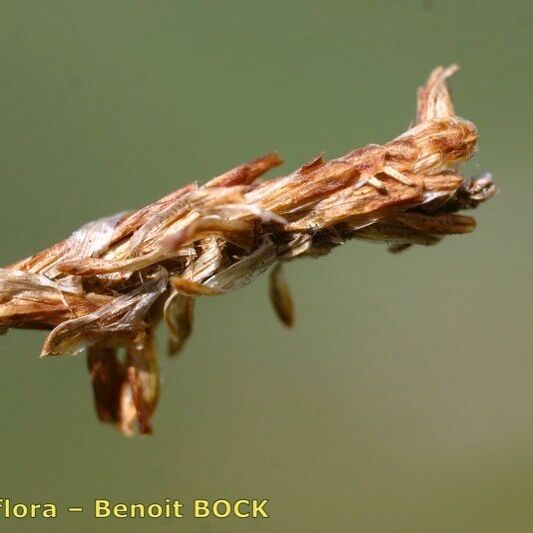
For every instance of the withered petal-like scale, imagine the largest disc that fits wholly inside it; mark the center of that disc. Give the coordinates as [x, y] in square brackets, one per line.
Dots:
[179, 317]
[280, 296]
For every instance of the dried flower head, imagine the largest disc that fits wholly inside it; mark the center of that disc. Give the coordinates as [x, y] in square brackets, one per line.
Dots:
[108, 285]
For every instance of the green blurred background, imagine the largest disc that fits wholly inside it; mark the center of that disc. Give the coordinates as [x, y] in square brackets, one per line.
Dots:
[402, 401]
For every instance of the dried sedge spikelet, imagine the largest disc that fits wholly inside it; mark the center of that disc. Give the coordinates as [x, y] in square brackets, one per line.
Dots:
[108, 285]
